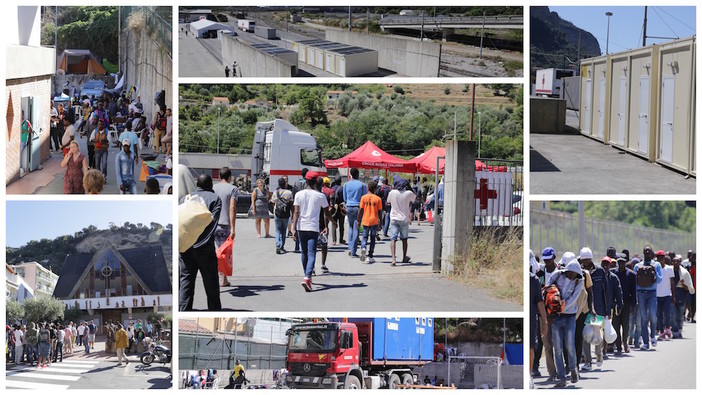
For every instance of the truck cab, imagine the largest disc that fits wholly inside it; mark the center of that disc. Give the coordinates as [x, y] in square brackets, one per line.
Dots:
[324, 355]
[280, 149]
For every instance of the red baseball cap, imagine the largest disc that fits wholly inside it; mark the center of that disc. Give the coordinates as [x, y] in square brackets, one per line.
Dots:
[660, 253]
[311, 174]
[606, 259]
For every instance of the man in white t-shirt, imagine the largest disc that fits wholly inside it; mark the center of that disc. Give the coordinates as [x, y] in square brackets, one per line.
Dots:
[69, 131]
[664, 293]
[81, 332]
[308, 204]
[400, 200]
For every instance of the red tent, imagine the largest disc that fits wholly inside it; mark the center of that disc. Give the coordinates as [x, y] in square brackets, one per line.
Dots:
[426, 162]
[369, 156]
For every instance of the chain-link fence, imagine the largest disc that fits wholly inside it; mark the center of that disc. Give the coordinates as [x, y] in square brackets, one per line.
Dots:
[561, 231]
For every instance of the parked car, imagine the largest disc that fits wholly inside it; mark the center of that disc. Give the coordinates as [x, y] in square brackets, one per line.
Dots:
[92, 88]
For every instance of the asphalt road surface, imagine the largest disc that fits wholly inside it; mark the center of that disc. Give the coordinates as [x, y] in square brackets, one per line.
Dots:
[80, 373]
[670, 365]
[264, 281]
[194, 60]
[575, 164]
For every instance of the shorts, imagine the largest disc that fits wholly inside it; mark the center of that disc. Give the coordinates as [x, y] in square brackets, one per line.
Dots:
[44, 349]
[91, 337]
[399, 228]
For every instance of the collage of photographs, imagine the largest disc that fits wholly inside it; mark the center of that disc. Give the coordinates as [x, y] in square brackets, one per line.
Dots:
[345, 217]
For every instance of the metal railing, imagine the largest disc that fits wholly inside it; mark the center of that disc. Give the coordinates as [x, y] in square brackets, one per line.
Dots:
[561, 231]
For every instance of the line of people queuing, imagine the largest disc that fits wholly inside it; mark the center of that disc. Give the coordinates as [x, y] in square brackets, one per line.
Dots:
[100, 120]
[40, 344]
[305, 213]
[575, 300]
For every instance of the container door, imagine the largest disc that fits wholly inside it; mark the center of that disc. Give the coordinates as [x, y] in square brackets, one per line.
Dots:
[601, 110]
[667, 113]
[329, 66]
[622, 112]
[588, 104]
[320, 59]
[35, 153]
[342, 66]
[644, 92]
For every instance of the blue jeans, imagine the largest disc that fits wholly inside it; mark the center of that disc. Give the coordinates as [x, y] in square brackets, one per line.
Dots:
[351, 216]
[386, 221]
[563, 330]
[308, 242]
[131, 186]
[372, 231]
[32, 353]
[646, 313]
[663, 312]
[101, 161]
[281, 225]
[633, 323]
[677, 317]
[86, 343]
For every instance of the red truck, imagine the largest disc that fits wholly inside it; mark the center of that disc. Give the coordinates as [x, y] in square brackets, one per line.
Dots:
[358, 353]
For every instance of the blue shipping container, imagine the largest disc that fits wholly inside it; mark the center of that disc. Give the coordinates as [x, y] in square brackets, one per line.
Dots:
[401, 339]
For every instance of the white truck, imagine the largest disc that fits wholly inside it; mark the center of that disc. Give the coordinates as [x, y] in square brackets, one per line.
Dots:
[280, 149]
[548, 81]
[246, 25]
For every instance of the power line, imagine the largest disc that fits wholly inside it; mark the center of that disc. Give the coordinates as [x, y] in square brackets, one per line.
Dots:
[672, 16]
[664, 22]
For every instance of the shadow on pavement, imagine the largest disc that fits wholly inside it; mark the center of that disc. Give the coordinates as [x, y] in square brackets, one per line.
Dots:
[252, 290]
[539, 163]
[323, 287]
[161, 383]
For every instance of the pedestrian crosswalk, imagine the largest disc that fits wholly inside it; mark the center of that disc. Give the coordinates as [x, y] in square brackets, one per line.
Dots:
[58, 376]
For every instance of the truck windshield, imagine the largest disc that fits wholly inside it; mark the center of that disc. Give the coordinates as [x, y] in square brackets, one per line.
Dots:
[311, 157]
[313, 340]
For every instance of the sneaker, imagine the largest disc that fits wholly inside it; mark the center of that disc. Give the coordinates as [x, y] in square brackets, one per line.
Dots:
[645, 347]
[627, 349]
[307, 284]
[283, 250]
[535, 373]
[277, 250]
[552, 379]
[371, 260]
[377, 237]
[669, 332]
[325, 269]
[560, 384]
[587, 367]
[654, 342]
[574, 376]
[599, 363]
[363, 255]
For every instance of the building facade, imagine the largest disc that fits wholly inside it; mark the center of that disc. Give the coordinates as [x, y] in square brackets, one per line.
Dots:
[40, 279]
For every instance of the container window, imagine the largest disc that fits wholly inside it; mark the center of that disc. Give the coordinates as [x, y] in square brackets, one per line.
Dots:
[430, 322]
[424, 321]
[416, 321]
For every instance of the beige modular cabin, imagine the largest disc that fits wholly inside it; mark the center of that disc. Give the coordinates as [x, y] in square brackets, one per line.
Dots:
[341, 59]
[643, 101]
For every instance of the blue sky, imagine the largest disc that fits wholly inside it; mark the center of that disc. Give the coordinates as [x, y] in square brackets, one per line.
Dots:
[626, 25]
[36, 220]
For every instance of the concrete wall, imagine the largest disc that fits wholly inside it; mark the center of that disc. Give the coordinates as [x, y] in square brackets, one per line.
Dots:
[15, 90]
[253, 63]
[412, 58]
[148, 66]
[459, 182]
[547, 115]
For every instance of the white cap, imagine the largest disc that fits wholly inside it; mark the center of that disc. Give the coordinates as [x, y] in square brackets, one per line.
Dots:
[585, 253]
[126, 142]
[566, 258]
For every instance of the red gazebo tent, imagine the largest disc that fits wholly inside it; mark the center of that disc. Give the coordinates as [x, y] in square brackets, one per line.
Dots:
[369, 156]
[426, 162]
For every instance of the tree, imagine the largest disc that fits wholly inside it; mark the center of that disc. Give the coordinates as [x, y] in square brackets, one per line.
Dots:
[14, 311]
[72, 314]
[43, 308]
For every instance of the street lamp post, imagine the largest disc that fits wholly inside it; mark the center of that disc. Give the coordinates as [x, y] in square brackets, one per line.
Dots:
[609, 15]
[479, 125]
[219, 110]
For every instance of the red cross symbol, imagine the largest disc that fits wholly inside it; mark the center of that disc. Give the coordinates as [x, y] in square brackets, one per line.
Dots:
[543, 80]
[484, 193]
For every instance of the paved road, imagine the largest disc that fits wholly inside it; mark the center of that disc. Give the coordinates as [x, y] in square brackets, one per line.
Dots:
[194, 60]
[670, 366]
[83, 373]
[264, 281]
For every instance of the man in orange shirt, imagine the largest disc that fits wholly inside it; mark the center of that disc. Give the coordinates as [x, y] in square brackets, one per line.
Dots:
[371, 209]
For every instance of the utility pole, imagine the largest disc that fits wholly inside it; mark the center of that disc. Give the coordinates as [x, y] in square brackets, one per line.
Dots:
[349, 18]
[479, 127]
[609, 16]
[472, 112]
[421, 32]
[645, 23]
[219, 110]
[56, 28]
[482, 34]
[367, 20]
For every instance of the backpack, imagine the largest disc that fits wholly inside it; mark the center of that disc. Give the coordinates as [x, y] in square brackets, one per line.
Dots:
[162, 121]
[44, 335]
[552, 300]
[646, 276]
[282, 206]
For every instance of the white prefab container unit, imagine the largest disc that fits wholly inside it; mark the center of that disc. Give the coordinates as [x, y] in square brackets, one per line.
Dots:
[205, 28]
[301, 48]
[675, 128]
[354, 61]
[593, 91]
[630, 106]
[282, 53]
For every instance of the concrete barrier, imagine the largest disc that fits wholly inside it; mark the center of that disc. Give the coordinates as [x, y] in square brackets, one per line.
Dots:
[252, 62]
[409, 57]
[547, 115]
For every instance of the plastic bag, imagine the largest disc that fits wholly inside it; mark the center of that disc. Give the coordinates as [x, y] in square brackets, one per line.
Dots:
[588, 333]
[193, 219]
[597, 334]
[224, 257]
[610, 335]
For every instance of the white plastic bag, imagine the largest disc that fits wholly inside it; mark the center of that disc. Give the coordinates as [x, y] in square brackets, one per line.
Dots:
[610, 335]
[588, 333]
